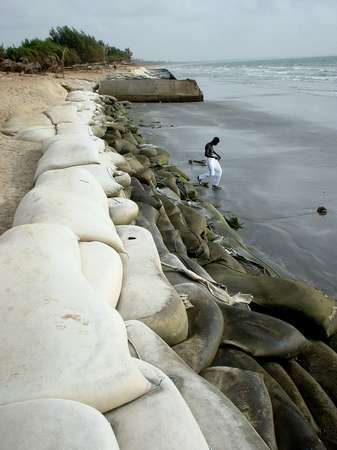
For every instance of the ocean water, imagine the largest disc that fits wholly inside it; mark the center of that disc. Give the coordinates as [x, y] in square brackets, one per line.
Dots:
[277, 121]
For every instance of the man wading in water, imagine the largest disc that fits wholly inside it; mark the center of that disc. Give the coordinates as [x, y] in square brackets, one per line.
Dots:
[214, 169]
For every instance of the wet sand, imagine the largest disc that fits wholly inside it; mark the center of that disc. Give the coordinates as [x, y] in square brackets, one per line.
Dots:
[277, 169]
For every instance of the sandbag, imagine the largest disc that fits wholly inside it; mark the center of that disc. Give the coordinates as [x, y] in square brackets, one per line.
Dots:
[320, 404]
[54, 424]
[147, 218]
[161, 158]
[170, 235]
[111, 158]
[280, 375]
[139, 194]
[61, 339]
[84, 139]
[70, 152]
[63, 113]
[36, 134]
[82, 96]
[148, 150]
[261, 335]
[122, 210]
[160, 420]
[146, 293]
[280, 295]
[220, 421]
[218, 254]
[205, 328]
[122, 178]
[147, 176]
[321, 362]
[74, 128]
[291, 428]
[105, 177]
[70, 197]
[102, 267]
[19, 122]
[246, 389]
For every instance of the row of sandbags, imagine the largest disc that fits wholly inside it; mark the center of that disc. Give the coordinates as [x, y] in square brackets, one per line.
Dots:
[282, 381]
[64, 268]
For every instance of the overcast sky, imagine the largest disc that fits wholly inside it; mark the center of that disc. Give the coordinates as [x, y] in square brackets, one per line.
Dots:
[185, 29]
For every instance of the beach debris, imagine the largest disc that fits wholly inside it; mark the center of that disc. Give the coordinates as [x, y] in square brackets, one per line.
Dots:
[195, 161]
[322, 211]
[234, 223]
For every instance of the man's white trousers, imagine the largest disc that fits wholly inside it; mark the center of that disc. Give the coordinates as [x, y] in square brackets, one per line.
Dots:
[214, 171]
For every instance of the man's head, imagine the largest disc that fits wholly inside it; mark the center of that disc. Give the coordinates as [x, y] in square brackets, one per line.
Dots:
[215, 141]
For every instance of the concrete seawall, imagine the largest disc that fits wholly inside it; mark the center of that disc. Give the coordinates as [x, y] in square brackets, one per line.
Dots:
[152, 90]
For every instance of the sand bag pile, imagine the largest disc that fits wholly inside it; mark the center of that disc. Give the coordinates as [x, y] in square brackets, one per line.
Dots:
[254, 355]
[112, 231]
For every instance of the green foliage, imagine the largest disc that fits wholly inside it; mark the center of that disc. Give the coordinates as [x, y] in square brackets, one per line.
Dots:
[66, 46]
[2, 52]
[87, 47]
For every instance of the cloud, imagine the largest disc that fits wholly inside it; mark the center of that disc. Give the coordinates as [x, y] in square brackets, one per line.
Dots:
[185, 29]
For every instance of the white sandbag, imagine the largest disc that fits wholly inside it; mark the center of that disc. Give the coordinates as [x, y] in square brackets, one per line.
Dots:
[122, 210]
[122, 178]
[98, 129]
[105, 177]
[111, 158]
[221, 422]
[102, 267]
[54, 425]
[160, 420]
[81, 96]
[36, 134]
[65, 129]
[70, 197]
[19, 122]
[63, 113]
[78, 138]
[67, 153]
[147, 295]
[60, 340]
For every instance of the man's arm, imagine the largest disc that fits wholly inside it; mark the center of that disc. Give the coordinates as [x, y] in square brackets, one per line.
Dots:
[216, 154]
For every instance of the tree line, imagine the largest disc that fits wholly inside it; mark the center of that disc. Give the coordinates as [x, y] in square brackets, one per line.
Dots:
[64, 46]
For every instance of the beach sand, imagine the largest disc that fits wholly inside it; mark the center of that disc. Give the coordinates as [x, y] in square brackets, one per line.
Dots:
[22, 94]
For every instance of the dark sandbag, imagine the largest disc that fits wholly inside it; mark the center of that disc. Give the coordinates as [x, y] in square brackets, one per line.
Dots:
[231, 239]
[196, 222]
[147, 176]
[284, 380]
[170, 235]
[133, 164]
[161, 159]
[259, 334]
[144, 160]
[320, 405]
[147, 218]
[123, 147]
[167, 179]
[321, 362]
[148, 151]
[187, 190]
[291, 429]
[139, 194]
[218, 254]
[246, 389]
[205, 328]
[297, 301]
[195, 244]
[178, 173]
[222, 424]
